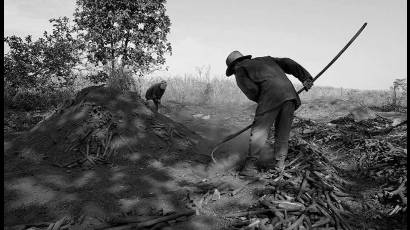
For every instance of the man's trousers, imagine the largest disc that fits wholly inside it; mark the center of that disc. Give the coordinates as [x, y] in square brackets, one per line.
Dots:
[282, 118]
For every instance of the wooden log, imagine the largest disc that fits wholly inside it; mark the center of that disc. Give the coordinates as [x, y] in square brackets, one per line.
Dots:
[297, 223]
[288, 206]
[26, 226]
[236, 191]
[247, 213]
[400, 191]
[302, 185]
[319, 184]
[58, 225]
[87, 149]
[395, 210]
[107, 144]
[279, 224]
[273, 208]
[152, 221]
[321, 222]
[129, 219]
[324, 212]
[308, 222]
[300, 155]
[343, 222]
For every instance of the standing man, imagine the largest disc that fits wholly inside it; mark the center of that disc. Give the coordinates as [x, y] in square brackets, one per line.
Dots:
[155, 93]
[263, 80]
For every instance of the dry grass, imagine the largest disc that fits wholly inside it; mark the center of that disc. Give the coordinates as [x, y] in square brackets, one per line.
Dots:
[363, 97]
[194, 89]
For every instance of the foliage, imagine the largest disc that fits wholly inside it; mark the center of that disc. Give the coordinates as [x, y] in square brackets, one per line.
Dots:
[132, 33]
[42, 64]
[122, 79]
[34, 99]
[98, 77]
[20, 64]
[17, 121]
[400, 84]
[399, 90]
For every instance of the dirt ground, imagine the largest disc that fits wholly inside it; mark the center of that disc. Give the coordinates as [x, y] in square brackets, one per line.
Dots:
[156, 179]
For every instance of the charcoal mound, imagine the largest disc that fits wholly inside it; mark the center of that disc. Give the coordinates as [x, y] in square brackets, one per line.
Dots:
[99, 125]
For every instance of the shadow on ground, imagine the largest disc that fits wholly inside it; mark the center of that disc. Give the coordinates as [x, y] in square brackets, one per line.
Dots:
[154, 163]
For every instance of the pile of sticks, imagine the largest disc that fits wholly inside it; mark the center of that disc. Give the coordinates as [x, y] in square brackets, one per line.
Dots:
[380, 150]
[92, 141]
[378, 147]
[310, 194]
[306, 195]
[93, 151]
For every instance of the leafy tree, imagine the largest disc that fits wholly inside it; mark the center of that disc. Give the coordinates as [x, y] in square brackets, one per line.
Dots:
[130, 33]
[62, 51]
[46, 62]
[21, 62]
[98, 77]
[399, 85]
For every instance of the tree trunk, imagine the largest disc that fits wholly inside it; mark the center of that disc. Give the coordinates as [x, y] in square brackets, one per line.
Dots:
[125, 51]
[112, 58]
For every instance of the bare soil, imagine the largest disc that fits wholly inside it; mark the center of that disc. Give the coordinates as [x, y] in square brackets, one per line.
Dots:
[164, 171]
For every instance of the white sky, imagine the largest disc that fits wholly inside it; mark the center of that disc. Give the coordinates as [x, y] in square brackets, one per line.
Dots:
[311, 32]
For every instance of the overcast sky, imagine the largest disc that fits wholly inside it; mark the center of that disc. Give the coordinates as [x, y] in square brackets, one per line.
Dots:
[311, 32]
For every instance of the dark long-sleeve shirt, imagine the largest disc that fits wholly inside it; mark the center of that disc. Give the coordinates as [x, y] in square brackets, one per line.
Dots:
[264, 81]
[291, 67]
[154, 93]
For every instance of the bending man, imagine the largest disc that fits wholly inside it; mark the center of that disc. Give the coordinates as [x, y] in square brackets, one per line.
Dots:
[264, 80]
[155, 93]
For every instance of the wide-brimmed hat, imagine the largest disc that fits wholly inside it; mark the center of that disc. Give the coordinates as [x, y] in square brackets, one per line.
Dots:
[234, 58]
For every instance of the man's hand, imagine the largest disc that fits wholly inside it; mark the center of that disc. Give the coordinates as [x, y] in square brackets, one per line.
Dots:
[308, 84]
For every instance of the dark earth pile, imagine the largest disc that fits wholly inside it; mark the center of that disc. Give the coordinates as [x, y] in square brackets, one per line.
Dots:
[102, 152]
[100, 126]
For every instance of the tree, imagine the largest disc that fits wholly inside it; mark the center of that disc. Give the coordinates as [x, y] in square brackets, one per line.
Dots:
[399, 85]
[62, 51]
[46, 62]
[131, 33]
[21, 62]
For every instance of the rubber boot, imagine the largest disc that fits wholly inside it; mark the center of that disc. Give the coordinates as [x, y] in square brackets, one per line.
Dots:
[249, 169]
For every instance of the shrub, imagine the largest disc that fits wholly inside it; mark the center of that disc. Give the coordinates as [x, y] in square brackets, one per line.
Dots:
[29, 100]
[122, 79]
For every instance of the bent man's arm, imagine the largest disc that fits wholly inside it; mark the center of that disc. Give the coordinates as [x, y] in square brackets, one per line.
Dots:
[291, 67]
[248, 87]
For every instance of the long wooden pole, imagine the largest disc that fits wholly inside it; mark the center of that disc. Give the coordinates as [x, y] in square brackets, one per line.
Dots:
[338, 55]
